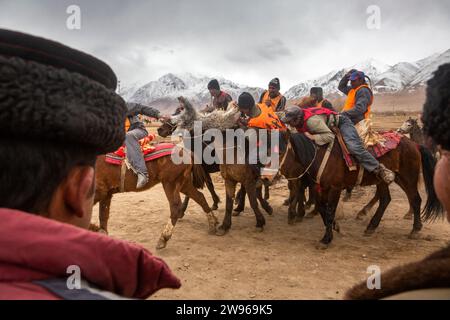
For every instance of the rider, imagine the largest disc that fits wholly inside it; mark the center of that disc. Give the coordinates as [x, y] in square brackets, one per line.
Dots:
[359, 96]
[220, 99]
[135, 131]
[320, 101]
[258, 116]
[316, 123]
[272, 97]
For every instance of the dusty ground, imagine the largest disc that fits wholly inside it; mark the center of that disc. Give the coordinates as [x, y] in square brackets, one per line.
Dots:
[280, 263]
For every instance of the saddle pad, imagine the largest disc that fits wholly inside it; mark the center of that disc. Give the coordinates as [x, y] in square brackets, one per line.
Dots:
[157, 151]
[391, 142]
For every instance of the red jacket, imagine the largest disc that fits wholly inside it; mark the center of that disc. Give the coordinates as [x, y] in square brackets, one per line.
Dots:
[34, 248]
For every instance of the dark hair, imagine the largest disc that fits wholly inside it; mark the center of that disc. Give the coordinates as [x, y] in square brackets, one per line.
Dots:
[32, 170]
[436, 110]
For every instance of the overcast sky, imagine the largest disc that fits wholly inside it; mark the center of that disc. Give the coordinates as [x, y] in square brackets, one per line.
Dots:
[247, 41]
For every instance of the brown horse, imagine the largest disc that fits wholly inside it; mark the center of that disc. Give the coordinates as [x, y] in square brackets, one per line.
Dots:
[175, 178]
[406, 160]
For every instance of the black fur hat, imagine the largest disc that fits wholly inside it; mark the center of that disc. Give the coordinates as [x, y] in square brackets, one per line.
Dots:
[51, 92]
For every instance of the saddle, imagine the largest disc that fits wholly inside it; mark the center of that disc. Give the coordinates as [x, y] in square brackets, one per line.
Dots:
[150, 152]
[386, 142]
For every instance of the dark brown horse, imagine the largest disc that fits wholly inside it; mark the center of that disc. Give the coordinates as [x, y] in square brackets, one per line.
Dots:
[175, 179]
[406, 161]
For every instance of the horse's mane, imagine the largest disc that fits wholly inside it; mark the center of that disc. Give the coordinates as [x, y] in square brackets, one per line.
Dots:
[304, 148]
[218, 119]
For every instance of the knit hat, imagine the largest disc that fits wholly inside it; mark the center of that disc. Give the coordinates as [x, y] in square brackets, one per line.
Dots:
[213, 84]
[246, 101]
[292, 113]
[51, 92]
[275, 82]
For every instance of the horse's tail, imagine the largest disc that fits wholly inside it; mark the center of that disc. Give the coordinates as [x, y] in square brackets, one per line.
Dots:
[433, 208]
[199, 176]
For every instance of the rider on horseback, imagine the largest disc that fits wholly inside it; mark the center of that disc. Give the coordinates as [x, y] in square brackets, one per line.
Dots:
[315, 123]
[135, 131]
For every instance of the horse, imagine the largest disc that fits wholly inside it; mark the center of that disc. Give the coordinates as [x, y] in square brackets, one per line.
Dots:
[165, 130]
[406, 160]
[411, 126]
[231, 172]
[168, 127]
[175, 179]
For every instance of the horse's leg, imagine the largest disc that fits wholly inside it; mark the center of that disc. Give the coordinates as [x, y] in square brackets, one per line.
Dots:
[328, 202]
[415, 201]
[292, 201]
[251, 192]
[364, 211]
[300, 201]
[385, 198]
[348, 194]
[311, 197]
[266, 206]
[230, 189]
[172, 192]
[211, 189]
[240, 200]
[409, 214]
[189, 190]
[266, 192]
[104, 207]
[184, 207]
[312, 200]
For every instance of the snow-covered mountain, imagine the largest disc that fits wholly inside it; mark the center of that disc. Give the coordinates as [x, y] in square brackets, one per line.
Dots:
[330, 81]
[403, 76]
[163, 93]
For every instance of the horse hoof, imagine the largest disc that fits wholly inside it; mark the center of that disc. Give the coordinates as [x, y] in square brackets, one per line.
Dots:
[309, 216]
[286, 202]
[322, 246]
[337, 228]
[414, 235]
[221, 232]
[259, 229]
[408, 216]
[236, 213]
[214, 207]
[269, 210]
[161, 244]
[103, 231]
[369, 232]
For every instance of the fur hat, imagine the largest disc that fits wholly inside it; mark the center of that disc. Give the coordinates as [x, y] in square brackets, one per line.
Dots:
[51, 92]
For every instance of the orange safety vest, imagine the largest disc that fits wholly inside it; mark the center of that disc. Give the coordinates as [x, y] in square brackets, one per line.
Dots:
[273, 101]
[267, 119]
[351, 100]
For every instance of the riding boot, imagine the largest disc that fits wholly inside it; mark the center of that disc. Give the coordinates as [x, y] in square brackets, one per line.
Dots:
[384, 174]
[142, 180]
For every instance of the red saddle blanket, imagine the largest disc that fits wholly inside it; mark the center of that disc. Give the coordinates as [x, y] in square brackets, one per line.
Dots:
[392, 140]
[151, 152]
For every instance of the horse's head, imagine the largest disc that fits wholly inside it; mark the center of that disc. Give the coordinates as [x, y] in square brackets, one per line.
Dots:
[407, 126]
[167, 128]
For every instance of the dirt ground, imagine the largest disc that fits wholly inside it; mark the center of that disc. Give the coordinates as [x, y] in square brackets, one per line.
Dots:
[282, 262]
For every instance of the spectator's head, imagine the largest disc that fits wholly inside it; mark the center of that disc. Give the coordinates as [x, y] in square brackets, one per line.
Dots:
[58, 111]
[274, 87]
[357, 78]
[214, 88]
[436, 120]
[246, 103]
[316, 93]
